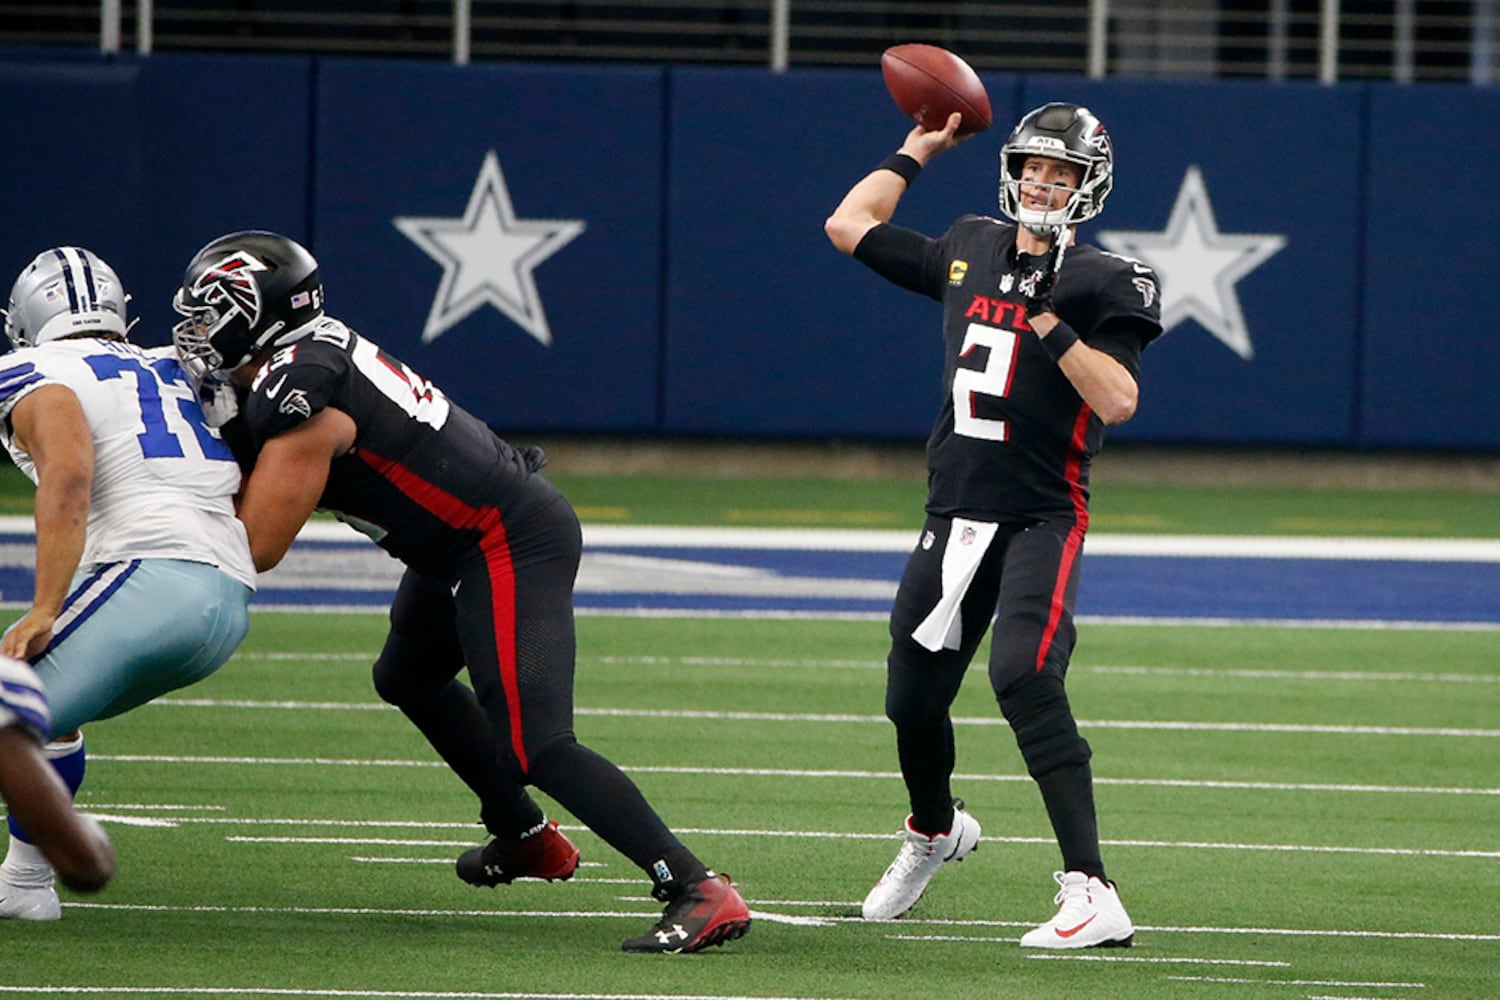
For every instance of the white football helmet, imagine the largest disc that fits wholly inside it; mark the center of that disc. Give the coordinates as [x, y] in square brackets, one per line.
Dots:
[62, 292]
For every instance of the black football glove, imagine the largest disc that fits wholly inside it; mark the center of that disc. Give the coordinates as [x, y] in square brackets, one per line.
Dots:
[1037, 283]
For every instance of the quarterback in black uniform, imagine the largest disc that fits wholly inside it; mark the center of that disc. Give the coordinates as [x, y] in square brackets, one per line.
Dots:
[1042, 342]
[330, 421]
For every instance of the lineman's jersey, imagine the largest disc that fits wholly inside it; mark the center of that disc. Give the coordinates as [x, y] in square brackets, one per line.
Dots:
[22, 700]
[164, 482]
[1013, 440]
[425, 478]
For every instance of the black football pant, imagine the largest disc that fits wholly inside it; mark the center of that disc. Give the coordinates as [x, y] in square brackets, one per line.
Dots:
[1026, 582]
[507, 615]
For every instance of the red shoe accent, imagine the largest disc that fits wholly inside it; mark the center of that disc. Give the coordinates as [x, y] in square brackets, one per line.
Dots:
[544, 853]
[706, 914]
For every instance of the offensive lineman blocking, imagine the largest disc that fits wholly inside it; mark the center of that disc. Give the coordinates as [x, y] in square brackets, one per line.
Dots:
[491, 548]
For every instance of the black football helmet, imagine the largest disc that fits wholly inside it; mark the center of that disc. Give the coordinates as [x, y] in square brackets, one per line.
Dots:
[1064, 132]
[242, 293]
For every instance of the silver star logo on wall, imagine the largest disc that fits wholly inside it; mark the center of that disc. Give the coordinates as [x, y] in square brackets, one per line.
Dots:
[1198, 265]
[489, 257]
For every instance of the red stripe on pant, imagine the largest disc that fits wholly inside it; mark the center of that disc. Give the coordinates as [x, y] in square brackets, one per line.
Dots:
[1074, 544]
[498, 565]
[502, 575]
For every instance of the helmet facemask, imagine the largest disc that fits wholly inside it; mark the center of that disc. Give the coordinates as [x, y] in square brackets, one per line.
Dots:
[193, 338]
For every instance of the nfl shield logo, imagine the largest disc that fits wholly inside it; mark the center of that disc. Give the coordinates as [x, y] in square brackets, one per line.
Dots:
[966, 537]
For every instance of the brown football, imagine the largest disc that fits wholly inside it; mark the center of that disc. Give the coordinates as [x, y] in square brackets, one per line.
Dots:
[929, 83]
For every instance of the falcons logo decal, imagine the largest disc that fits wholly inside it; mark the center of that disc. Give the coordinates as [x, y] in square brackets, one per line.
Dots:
[228, 286]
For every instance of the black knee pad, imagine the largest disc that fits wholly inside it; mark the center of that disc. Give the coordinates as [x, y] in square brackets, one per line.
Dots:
[1039, 714]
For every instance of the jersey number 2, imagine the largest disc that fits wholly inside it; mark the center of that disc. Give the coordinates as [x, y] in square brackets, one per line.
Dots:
[992, 380]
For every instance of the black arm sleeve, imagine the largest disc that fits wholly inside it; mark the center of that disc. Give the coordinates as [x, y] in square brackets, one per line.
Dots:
[898, 255]
[1123, 338]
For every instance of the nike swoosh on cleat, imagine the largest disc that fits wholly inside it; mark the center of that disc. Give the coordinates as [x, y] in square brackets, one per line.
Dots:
[1074, 930]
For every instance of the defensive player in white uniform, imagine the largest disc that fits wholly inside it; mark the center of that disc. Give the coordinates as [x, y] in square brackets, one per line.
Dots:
[143, 573]
[33, 793]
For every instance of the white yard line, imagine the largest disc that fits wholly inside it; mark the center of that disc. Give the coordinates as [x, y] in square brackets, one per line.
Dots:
[1163, 725]
[906, 921]
[1171, 845]
[622, 536]
[876, 665]
[780, 772]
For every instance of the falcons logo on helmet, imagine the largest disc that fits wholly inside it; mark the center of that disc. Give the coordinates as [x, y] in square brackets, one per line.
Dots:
[229, 286]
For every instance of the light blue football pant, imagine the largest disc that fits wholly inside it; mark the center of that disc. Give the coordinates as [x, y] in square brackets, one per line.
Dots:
[133, 631]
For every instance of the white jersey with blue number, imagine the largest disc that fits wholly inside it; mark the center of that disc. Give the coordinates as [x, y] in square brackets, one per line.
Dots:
[164, 482]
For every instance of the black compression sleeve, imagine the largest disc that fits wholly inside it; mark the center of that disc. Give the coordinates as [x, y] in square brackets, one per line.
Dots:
[896, 254]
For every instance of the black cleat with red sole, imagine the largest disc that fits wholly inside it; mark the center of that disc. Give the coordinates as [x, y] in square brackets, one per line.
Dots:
[705, 914]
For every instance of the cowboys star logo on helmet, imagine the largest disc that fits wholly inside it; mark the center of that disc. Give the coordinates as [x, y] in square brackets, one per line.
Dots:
[229, 282]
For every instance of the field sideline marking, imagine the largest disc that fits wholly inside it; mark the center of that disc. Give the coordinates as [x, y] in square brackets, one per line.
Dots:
[1473, 550]
[619, 536]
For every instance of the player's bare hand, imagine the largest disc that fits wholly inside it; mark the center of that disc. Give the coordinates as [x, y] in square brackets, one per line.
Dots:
[923, 144]
[29, 636]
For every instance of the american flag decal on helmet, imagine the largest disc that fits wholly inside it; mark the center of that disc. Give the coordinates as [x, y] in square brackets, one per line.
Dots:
[229, 285]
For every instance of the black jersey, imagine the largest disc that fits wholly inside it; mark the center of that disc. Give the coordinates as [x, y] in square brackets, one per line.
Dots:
[425, 479]
[1013, 440]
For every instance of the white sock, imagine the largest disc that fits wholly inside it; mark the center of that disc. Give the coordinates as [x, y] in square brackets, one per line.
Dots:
[26, 866]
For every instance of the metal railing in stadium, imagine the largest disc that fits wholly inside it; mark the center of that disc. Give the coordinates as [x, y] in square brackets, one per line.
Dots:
[1325, 40]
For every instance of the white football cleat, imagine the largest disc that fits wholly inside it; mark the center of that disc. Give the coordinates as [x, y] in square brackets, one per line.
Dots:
[918, 860]
[1090, 916]
[29, 904]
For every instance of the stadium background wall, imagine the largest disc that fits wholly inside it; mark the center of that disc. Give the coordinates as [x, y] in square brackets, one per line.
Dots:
[700, 297]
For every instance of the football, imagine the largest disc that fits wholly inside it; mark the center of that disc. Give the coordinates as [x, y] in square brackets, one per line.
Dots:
[929, 83]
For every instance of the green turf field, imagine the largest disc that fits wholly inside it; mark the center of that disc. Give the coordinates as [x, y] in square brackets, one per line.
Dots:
[1289, 812]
